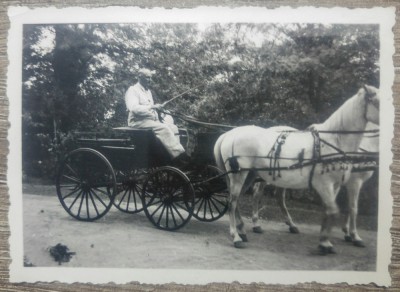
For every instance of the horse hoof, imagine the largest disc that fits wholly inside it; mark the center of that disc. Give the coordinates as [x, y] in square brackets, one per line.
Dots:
[348, 238]
[257, 229]
[325, 250]
[243, 237]
[359, 243]
[238, 244]
[294, 229]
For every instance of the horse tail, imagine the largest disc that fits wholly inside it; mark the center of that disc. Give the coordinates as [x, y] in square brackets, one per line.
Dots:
[218, 155]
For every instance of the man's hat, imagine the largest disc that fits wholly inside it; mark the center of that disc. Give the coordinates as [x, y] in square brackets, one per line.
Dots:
[146, 72]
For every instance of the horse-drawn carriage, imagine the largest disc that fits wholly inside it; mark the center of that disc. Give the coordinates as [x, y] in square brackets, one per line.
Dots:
[130, 169]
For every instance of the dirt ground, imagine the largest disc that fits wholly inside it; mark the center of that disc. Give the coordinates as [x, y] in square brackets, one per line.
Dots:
[121, 240]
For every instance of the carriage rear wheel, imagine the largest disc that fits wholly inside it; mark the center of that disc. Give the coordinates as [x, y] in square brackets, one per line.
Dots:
[128, 197]
[86, 184]
[212, 196]
[168, 198]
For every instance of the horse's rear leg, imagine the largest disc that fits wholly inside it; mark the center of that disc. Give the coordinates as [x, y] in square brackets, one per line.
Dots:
[236, 183]
[233, 201]
[239, 183]
[240, 226]
[281, 198]
[257, 192]
[353, 188]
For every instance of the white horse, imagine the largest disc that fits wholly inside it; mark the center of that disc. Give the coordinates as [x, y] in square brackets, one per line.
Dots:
[287, 158]
[361, 172]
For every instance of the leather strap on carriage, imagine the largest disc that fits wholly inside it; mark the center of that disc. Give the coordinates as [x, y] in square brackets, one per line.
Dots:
[316, 156]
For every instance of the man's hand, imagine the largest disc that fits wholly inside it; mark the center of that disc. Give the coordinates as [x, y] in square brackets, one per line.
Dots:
[157, 106]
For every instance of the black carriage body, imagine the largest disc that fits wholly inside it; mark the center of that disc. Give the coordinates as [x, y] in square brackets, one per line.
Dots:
[127, 148]
[203, 152]
[128, 168]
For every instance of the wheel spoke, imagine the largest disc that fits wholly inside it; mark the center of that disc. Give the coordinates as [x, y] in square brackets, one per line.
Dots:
[80, 206]
[155, 211]
[87, 204]
[173, 216]
[94, 204]
[71, 193]
[136, 191]
[222, 203]
[201, 205]
[182, 207]
[162, 212]
[154, 203]
[70, 186]
[98, 198]
[129, 199]
[179, 214]
[205, 207]
[71, 169]
[211, 210]
[123, 197]
[76, 198]
[166, 217]
[215, 206]
[71, 178]
[101, 191]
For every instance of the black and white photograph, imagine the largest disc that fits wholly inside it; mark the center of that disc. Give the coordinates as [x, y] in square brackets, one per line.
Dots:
[201, 145]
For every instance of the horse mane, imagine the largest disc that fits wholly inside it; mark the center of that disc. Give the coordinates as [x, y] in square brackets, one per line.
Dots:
[348, 115]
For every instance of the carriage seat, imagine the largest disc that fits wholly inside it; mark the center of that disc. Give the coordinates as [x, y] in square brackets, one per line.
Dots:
[132, 131]
[140, 133]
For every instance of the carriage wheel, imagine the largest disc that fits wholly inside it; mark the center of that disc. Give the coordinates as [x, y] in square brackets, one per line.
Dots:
[212, 197]
[128, 198]
[168, 198]
[86, 184]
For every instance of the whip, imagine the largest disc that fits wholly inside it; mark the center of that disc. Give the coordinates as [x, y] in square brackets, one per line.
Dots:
[179, 95]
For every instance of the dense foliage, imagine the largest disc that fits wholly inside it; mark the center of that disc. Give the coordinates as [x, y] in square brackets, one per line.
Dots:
[75, 75]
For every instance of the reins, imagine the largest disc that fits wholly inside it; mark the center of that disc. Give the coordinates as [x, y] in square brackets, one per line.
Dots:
[197, 122]
[215, 125]
[274, 154]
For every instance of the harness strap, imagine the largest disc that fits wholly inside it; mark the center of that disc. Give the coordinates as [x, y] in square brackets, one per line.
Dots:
[333, 146]
[274, 154]
[316, 156]
[233, 162]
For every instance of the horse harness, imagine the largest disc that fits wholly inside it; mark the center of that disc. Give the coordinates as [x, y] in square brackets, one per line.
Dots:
[274, 157]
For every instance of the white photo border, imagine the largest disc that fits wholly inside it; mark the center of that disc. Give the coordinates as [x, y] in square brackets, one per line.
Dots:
[19, 16]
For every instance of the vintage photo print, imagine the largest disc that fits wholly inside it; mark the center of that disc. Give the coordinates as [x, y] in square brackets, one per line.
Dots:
[200, 145]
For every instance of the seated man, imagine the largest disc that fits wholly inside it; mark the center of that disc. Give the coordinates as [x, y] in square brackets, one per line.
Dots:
[143, 115]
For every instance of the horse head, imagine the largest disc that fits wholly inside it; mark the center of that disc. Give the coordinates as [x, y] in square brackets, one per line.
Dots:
[372, 104]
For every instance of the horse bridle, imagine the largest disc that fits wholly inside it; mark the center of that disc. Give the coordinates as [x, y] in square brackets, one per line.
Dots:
[369, 100]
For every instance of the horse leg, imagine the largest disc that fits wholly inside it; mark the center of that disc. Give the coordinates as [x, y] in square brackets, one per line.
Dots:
[353, 190]
[240, 226]
[233, 200]
[237, 187]
[249, 181]
[328, 195]
[280, 196]
[257, 192]
[346, 227]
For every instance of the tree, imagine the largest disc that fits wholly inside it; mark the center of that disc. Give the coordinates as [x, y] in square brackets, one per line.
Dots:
[76, 75]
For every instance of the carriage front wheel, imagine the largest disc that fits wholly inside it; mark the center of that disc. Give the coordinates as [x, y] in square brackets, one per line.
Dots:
[168, 198]
[86, 184]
